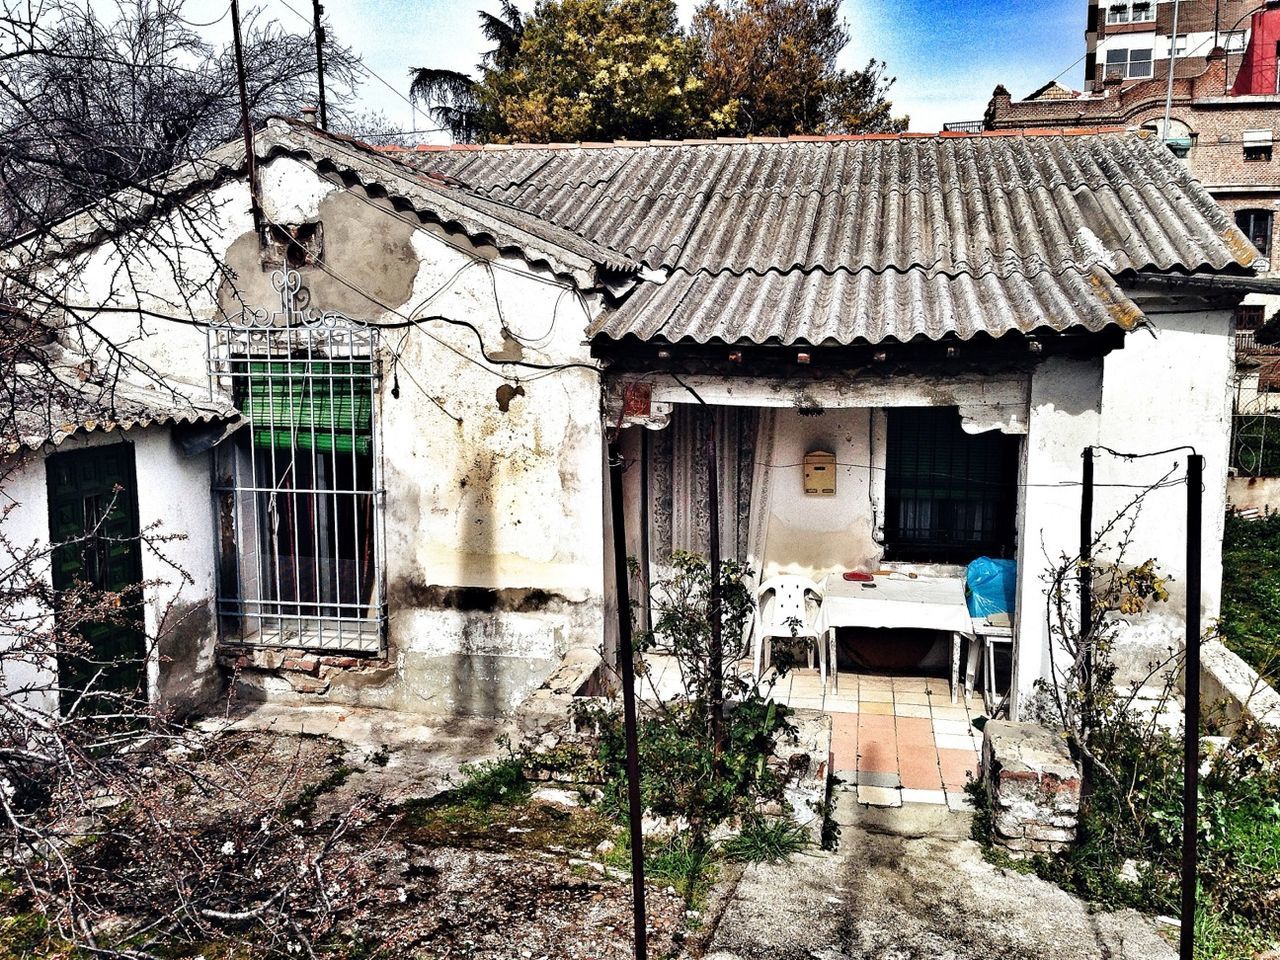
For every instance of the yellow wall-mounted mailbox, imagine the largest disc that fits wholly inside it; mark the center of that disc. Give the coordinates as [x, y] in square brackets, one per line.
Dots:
[820, 474]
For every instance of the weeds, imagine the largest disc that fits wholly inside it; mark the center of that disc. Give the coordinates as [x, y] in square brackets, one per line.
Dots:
[766, 841]
[1250, 620]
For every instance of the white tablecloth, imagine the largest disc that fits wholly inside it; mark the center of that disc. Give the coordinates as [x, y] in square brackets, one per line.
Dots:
[925, 603]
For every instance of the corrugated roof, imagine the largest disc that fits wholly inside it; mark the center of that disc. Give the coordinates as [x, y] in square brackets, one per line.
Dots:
[483, 218]
[508, 226]
[58, 395]
[844, 239]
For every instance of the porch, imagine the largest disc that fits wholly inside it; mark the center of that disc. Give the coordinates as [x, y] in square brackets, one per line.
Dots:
[895, 738]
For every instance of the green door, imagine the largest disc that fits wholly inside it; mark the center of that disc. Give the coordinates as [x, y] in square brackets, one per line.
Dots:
[93, 525]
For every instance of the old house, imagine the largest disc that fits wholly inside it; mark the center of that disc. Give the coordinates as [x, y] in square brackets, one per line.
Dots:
[428, 350]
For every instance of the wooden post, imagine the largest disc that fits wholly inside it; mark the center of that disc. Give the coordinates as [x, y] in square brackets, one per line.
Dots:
[715, 646]
[250, 162]
[626, 665]
[1086, 571]
[316, 11]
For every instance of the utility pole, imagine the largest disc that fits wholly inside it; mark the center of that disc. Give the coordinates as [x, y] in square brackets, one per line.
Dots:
[1173, 50]
[317, 10]
[1191, 715]
[250, 162]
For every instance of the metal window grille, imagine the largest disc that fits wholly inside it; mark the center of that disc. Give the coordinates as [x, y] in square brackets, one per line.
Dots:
[299, 488]
[950, 496]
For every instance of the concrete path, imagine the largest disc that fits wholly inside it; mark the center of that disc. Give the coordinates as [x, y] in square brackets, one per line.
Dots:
[907, 884]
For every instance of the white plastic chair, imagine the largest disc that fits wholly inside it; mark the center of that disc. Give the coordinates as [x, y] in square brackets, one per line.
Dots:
[782, 610]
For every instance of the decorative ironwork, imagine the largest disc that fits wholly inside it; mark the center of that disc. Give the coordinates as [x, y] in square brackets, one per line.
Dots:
[300, 489]
[296, 309]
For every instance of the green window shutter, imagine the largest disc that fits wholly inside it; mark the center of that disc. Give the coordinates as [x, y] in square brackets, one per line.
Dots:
[326, 406]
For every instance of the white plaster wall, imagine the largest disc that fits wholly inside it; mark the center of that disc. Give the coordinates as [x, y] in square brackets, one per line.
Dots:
[812, 536]
[24, 520]
[173, 505]
[1164, 391]
[497, 512]
[1064, 418]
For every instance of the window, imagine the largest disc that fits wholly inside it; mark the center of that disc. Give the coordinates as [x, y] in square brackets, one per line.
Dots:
[950, 496]
[1248, 317]
[1139, 11]
[1234, 41]
[1129, 63]
[1257, 145]
[1178, 46]
[299, 495]
[1256, 225]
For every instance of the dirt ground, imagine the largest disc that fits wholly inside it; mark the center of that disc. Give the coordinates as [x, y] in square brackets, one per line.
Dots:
[405, 875]
[908, 884]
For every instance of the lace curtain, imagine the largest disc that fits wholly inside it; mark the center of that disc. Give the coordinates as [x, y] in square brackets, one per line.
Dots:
[679, 506]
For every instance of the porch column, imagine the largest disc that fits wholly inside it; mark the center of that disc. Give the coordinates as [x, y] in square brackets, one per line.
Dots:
[1064, 417]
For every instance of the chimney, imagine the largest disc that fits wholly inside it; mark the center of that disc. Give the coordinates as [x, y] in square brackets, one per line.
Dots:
[308, 116]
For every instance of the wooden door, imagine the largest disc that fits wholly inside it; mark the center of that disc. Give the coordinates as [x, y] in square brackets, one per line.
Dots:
[93, 525]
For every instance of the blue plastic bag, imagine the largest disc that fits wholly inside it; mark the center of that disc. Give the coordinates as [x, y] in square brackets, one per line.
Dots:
[990, 586]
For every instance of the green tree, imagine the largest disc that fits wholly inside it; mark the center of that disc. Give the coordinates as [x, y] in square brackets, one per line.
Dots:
[624, 69]
[769, 67]
[594, 70]
[452, 96]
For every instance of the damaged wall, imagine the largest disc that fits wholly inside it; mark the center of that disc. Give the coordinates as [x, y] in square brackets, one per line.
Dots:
[1169, 387]
[179, 598]
[493, 511]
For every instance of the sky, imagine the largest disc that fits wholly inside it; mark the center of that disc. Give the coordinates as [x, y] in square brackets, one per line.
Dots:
[947, 56]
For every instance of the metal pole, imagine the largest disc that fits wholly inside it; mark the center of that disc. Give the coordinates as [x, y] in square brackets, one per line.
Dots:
[1086, 540]
[626, 663]
[250, 164]
[1173, 47]
[316, 11]
[1086, 570]
[1191, 716]
[715, 648]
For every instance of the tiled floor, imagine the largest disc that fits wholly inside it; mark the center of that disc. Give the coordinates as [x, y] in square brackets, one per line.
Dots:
[894, 739]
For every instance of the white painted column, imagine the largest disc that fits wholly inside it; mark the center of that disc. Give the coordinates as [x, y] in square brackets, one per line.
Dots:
[1064, 414]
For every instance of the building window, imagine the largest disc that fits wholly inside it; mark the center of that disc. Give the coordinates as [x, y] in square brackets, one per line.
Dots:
[950, 496]
[1130, 64]
[299, 485]
[1139, 11]
[1234, 41]
[1248, 317]
[1257, 144]
[1256, 225]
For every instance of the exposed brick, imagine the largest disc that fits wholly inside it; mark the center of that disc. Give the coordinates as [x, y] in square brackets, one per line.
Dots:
[342, 663]
[305, 664]
[1033, 785]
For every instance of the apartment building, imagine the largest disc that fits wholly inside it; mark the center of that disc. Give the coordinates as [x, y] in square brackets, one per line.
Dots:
[1133, 40]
